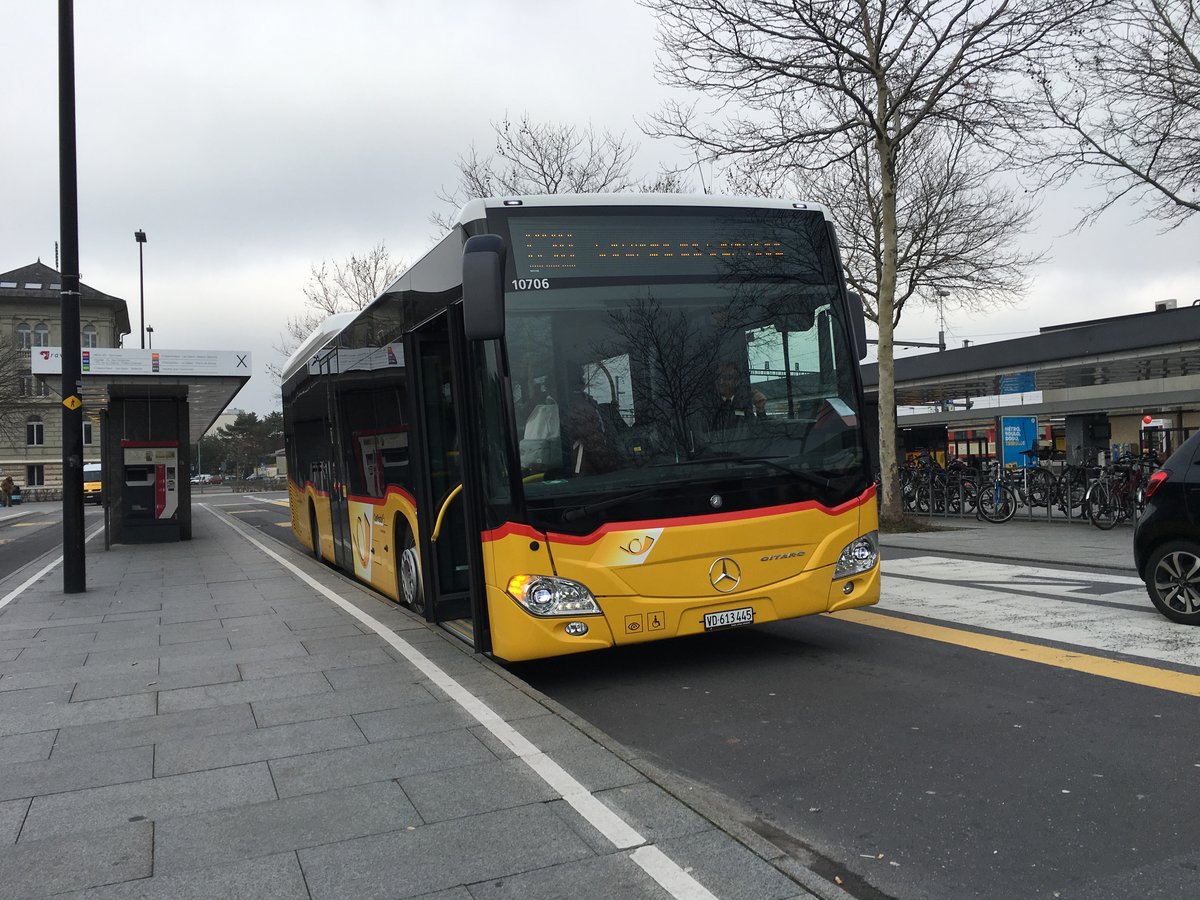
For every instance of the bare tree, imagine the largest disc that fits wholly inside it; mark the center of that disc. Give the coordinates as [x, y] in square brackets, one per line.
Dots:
[813, 84]
[350, 285]
[545, 158]
[1128, 108]
[14, 405]
[957, 228]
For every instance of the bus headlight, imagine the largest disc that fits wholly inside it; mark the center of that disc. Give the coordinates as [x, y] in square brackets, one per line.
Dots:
[860, 555]
[544, 595]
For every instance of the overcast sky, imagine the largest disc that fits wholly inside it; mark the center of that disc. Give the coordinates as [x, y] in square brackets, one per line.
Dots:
[252, 140]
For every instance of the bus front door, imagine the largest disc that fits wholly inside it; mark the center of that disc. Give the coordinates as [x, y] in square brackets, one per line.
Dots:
[434, 352]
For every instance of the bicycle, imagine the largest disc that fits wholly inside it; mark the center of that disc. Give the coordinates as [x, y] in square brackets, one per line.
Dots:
[1033, 485]
[1116, 495]
[997, 503]
[1070, 490]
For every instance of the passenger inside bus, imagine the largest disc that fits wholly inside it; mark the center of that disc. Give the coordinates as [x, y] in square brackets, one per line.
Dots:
[594, 446]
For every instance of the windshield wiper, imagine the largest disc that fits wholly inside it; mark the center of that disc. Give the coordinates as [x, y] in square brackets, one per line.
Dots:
[578, 512]
[816, 480]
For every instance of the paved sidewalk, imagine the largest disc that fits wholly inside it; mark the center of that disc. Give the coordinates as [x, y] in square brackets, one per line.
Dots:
[1055, 543]
[205, 722]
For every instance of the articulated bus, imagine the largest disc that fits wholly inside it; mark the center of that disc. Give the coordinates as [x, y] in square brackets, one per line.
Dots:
[587, 421]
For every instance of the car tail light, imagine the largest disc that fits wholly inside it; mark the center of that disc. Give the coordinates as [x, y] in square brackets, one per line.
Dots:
[1155, 480]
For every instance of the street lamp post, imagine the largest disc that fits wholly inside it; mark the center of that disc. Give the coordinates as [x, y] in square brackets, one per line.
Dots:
[150, 336]
[942, 294]
[140, 237]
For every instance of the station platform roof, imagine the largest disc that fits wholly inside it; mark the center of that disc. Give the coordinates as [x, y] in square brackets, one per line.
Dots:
[209, 379]
[1126, 364]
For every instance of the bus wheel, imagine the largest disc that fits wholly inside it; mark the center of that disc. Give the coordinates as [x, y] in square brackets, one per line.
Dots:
[314, 532]
[409, 569]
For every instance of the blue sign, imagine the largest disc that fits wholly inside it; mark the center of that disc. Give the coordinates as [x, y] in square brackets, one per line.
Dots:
[1018, 434]
[1020, 383]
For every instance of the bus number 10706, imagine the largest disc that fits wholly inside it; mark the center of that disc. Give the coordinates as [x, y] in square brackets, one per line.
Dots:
[530, 284]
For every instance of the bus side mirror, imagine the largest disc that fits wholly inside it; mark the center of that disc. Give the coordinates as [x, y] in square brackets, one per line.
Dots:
[858, 321]
[483, 287]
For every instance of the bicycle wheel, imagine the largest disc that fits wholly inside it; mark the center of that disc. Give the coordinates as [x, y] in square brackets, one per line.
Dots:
[1103, 507]
[1041, 487]
[1071, 491]
[997, 503]
[970, 493]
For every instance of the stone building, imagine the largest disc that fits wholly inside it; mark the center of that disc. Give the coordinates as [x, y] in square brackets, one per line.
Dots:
[30, 299]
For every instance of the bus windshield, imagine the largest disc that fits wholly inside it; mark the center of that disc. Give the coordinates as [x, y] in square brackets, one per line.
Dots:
[728, 380]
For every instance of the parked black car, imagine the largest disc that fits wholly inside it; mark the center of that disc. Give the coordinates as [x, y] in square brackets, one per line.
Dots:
[1166, 541]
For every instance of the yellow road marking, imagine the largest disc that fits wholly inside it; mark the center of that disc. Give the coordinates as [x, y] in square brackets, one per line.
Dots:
[287, 524]
[1117, 670]
[27, 524]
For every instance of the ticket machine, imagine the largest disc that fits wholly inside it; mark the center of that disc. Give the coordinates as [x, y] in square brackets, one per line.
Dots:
[149, 508]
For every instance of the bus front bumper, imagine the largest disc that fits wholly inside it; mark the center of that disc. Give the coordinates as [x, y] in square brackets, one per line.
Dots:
[518, 635]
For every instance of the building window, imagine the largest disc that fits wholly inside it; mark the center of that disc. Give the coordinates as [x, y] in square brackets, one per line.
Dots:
[23, 339]
[35, 476]
[89, 337]
[41, 335]
[34, 434]
[28, 386]
[87, 432]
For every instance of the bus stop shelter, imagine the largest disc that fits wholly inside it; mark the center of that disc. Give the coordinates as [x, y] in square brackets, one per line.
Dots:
[152, 407]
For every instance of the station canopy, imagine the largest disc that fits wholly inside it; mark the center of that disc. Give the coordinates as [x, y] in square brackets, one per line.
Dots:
[1125, 364]
[212, 378]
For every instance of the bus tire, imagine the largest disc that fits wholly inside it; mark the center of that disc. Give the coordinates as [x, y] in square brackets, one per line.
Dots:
[408, 568]
[314, 532]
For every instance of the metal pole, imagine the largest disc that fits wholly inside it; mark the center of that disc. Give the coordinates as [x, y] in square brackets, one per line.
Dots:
[74, 568]
[140, 237]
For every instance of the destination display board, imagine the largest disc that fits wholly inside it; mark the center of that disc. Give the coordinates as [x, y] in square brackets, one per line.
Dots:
[749, 244]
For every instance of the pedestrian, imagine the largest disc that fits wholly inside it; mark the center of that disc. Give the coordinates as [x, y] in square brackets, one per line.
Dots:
[6, 489]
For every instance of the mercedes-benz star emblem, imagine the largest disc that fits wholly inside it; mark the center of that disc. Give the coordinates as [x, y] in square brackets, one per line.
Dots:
[724, 574]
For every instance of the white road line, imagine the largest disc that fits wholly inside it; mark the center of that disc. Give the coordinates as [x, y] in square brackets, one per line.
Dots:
[12, 595]
[273, 502]
[669, 874]
[666, 872]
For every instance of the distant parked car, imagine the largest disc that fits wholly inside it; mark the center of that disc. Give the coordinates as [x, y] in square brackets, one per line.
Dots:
[215, 479]
[1166, 541]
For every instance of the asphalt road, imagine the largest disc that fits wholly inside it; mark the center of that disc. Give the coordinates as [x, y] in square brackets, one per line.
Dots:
[926, 764]
[912, 768]
[37, 530]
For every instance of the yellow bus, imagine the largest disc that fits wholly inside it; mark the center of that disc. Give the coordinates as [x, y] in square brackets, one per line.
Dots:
[587, 421]
[93, 485]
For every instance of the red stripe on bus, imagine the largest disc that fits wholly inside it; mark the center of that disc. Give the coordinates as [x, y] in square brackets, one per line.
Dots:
[380, 501]
[357, 498]
[516, 528]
